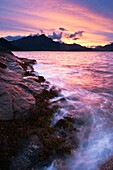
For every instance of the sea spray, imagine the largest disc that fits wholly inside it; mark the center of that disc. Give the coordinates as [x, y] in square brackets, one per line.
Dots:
[98, 147]
[95, 135]
[57, 164]
[93, 154]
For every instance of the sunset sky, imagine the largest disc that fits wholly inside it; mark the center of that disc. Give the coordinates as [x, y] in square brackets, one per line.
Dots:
[85, 22]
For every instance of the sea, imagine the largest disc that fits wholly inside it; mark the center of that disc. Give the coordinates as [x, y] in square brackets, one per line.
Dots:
[86, 81]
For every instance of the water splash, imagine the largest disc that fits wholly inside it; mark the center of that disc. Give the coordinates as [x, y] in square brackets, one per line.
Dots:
[96, 135]
[98, 147]
[93, 154]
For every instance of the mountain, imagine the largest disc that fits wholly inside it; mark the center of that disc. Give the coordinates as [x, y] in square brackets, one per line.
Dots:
[8, 45]
[108, 47]
[43, 43]
[11, 38]
[37, 43]
[75, 47]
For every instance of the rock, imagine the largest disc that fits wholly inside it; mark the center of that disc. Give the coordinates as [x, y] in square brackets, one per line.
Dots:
[16, 93]
[4, 164]
[12, 62]
[15, 100]
[34, 83]
[2, 65]
[41, 79]
[28, 154]
[27, 66]
[108, 165]
[28, 61]
[26, 134]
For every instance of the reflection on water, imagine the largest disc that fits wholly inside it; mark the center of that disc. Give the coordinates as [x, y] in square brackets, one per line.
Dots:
[86, 80]
[86, 70]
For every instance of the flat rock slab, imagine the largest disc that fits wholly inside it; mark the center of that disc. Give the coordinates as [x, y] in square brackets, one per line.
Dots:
[16, 93]
[15, 100]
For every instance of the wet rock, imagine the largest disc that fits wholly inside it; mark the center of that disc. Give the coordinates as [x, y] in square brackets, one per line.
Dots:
[41, 79]
[35, 78]
[66, 123]
[4, 164]
[27, 61]
[32, 83]
[12, 62]
[27, 65]
[10, 77]
[2, 65]
[66, 129]
[29, 73]
[15, 100]
[16, 94]
[28, 154]
[108, 165]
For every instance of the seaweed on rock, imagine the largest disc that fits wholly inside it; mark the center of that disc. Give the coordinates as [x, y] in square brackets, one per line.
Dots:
[38, 122]
[31, 138]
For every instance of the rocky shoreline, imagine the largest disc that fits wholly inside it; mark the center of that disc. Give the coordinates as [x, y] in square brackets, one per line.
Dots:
[27, 136]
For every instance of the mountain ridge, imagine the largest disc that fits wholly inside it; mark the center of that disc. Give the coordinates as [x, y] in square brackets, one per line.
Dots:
[44, 43]
[7, 45]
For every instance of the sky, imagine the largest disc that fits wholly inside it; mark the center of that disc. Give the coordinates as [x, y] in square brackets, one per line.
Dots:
[85, 22]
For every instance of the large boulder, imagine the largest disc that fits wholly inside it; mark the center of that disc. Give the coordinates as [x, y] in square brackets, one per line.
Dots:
[16, 91]
[14, 101]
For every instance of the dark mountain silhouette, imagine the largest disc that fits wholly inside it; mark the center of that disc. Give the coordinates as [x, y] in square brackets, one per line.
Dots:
[8, 45]
[37, 43]
[108, 47]
[43, 43]
[75, 47]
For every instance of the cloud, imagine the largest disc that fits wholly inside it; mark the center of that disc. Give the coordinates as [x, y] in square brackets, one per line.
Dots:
[76, 35]
[62, 29]
[42, 32]
[102, 7]
[33, 35]
[75, 38]
[56, 36]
